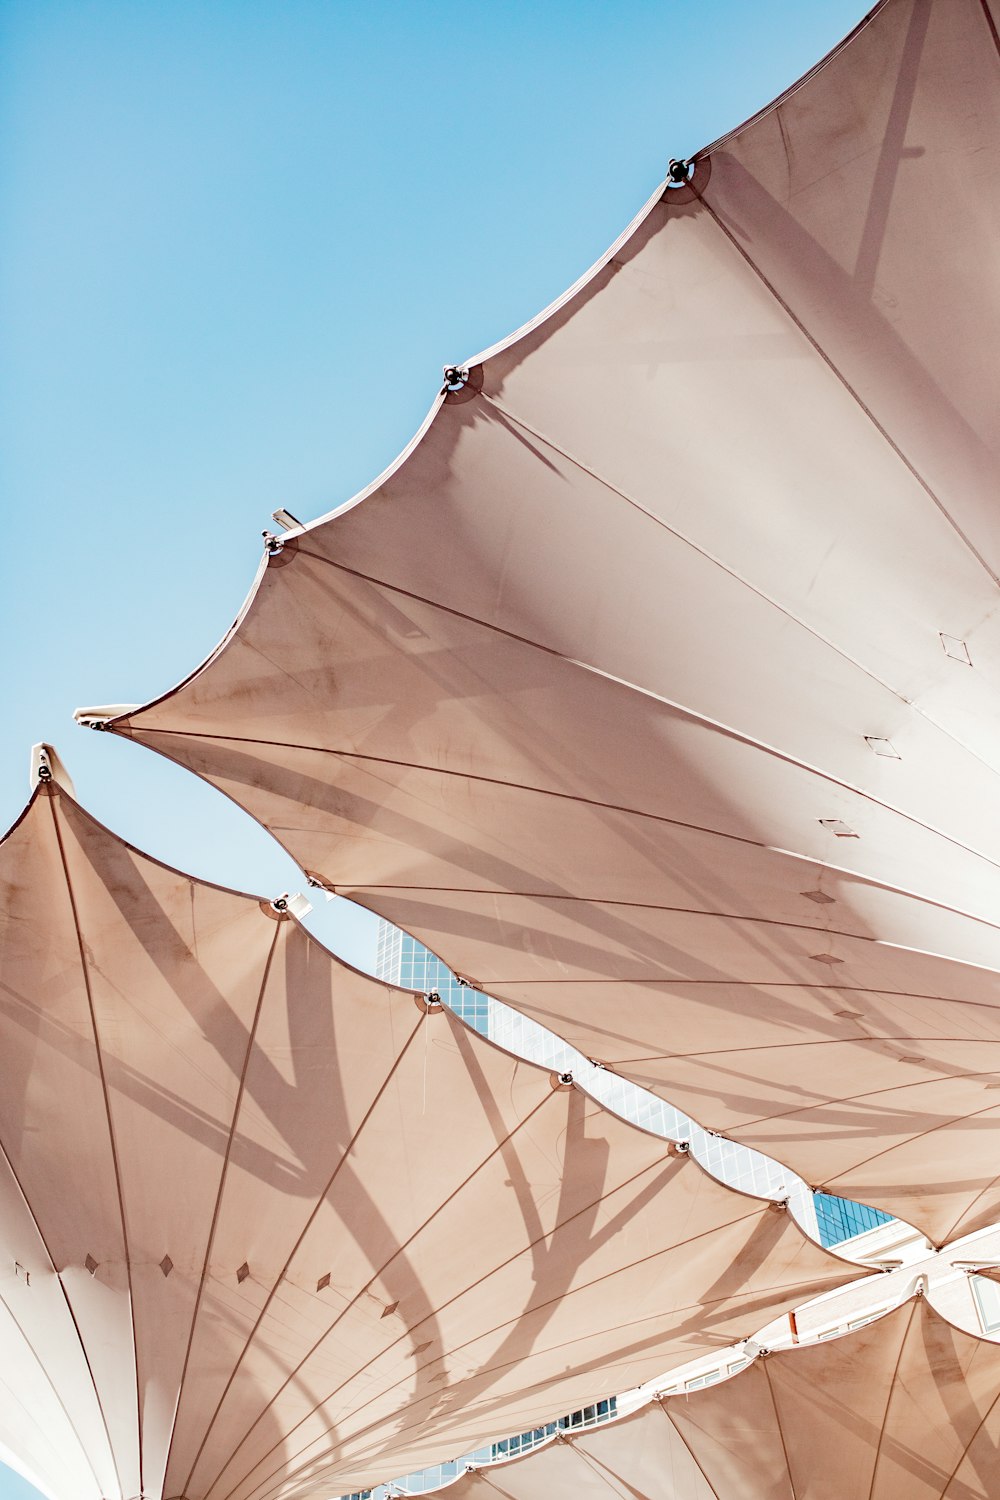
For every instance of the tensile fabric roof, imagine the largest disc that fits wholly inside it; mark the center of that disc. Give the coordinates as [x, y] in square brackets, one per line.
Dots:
[271, 1227]
[655, 686]
[907, 1408]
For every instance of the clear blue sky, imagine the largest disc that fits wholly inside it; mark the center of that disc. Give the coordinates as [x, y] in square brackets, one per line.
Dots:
[240, 239]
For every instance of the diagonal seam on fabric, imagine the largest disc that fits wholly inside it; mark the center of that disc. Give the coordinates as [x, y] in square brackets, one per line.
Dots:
[612, 1482]
[888, 1399]
[855, 396]
[664, 1408]
[85, 971]
[399, 1250]
[72, 1316]
[979, 1427]
[612, 806]
[727, 730]
[272, 946]
[991, 23]
[781, 1432]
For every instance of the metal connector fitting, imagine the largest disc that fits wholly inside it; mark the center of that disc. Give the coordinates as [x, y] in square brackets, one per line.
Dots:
[456, 377]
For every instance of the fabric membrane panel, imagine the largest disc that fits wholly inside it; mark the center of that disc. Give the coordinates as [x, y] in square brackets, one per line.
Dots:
[271, 1227]
[904, 1409]
[654, 688]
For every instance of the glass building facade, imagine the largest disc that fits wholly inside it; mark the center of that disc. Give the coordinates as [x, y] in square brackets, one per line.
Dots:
[401, 960]
[840, 1219]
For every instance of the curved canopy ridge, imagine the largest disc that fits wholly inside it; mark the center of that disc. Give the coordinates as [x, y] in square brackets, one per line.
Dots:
[655, 688]
[266, 1223]
[903, 1409]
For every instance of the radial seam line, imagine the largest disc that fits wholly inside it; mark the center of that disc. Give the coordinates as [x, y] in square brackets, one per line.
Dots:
[606, 1475]
[988, 14]
[854, 394]
[888, 1400]
[686, 541]
[72, 1316]
[354, 1300]
[52, 1385]
[294, 1251]
[660, 1402]
[85, 970]
[965, 1451]
[781, 1434]
[223, 1173]
[797, 1286]
[731, 573]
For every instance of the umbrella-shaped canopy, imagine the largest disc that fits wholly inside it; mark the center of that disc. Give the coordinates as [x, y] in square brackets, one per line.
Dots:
[655, 686]
[907, 1408]
[268, 1225]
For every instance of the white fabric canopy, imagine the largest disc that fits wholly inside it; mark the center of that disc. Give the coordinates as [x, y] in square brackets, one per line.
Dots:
[655, 687]
[269, 1226]
[907, 1408]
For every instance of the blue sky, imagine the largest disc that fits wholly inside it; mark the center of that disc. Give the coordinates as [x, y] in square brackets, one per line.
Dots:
[241, 238]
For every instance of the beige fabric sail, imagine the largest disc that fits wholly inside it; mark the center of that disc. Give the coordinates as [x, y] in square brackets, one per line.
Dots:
[907, 1408]
[263, 1217]
[655, 687]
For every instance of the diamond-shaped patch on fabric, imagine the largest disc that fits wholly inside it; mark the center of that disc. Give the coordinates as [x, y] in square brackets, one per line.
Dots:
[242, 1272]
[956, 649]
[882, 747]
